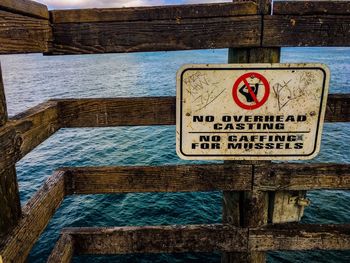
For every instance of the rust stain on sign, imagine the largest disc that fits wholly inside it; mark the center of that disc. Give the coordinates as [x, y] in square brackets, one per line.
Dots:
[250, 111]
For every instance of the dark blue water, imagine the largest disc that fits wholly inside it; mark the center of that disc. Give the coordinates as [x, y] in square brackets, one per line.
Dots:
[31, 79]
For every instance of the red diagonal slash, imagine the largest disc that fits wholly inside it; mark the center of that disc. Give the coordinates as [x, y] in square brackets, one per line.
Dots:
[250, 91]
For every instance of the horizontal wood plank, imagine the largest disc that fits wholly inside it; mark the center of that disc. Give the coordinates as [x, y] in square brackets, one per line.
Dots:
[338, 108]
[154, 111]
[34, 126]
[162, 28]
[214, 177]
[26, 7]
[311, 7]
[168, 12]
[155, 35]
[289, 176]
[320, 30]
[22, 34]
[158, 239]
[176, 178]
[209, 238]
[25, 131]
[117, 112]
[300, 237]
[35, 217]
[63, 250]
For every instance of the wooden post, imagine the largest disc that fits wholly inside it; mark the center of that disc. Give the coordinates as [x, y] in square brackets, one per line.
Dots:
[247, 209]
[10, 208]
[3, 108]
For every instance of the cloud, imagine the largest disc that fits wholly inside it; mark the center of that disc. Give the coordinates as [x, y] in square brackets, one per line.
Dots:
[205, 1]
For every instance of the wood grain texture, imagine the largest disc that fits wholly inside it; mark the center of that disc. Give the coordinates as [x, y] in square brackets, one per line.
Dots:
[23, 34]
[140, 111]
[338, 108]
[158, 239]
[300, 237]
[213, 177]
[10, 207]
[176, 178]
[249, 208]
[86, 31]
[25, 7]
[36, 215]
[264, 6]
[311, 7]
[155, 35]
[25, 131]
[232, 205]
[209, 238]
[7, 147]
[63, 250]
[320, 30]
[288, 176]
[34, 126]
[254, 55]
[168, 12]
[3, 107]
[117, 112]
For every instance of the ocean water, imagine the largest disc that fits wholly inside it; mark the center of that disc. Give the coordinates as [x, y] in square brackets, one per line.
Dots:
[31, 79]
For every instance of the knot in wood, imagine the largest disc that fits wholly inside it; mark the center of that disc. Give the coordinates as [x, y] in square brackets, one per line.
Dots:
[18, 140]
[271, 174]
[52, 128]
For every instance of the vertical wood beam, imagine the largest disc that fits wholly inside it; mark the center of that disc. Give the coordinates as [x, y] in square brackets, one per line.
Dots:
[3, 108]
[247, 209]
[63, 251]
[36, 214]
[264, 6]
[10, 207]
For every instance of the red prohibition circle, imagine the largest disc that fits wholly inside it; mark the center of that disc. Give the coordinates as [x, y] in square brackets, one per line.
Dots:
[243, 79]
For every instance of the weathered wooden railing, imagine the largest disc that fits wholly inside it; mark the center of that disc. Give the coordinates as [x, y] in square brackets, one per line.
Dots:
[26, 27]
[199, 238]
[43, 120]
[255, 33]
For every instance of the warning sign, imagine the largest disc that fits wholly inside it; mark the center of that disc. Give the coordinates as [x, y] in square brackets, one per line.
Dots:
[250, 111]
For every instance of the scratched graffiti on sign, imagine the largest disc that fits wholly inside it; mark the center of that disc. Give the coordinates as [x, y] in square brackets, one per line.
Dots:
[203, 91]
[260, 111]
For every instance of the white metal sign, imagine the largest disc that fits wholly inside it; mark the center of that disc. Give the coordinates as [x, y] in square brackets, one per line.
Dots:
[250, 111]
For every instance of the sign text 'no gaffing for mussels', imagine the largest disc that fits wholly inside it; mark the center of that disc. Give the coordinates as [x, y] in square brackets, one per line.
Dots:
[250, 111]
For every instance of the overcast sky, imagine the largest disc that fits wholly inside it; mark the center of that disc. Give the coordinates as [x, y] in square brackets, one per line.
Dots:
[64, 4]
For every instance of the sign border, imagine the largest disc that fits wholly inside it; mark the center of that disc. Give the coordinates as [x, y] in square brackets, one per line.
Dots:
[245, 67]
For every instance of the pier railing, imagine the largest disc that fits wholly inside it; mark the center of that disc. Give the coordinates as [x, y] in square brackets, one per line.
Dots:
[254, 33]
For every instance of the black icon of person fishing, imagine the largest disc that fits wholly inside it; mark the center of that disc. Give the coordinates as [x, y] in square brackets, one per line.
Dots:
[245, 91]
